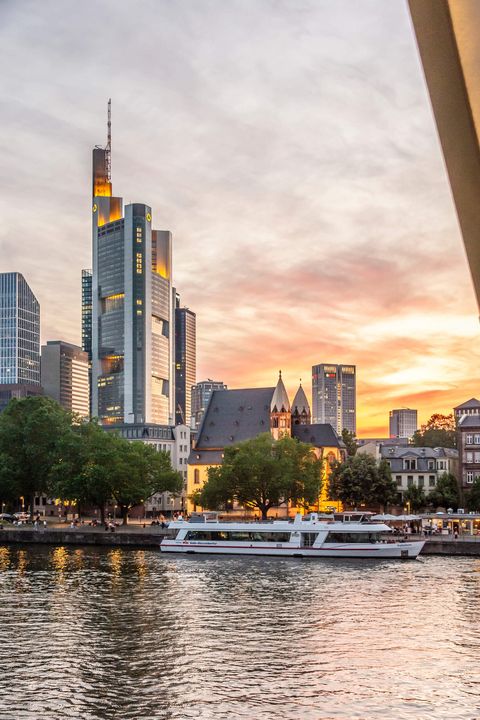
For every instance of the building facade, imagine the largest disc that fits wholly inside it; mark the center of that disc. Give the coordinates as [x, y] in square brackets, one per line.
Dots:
[403, 423]
[65, 376]
[334, 396]
[468, 443]
[185, 362]
[19, 339]
[132, 309]
[201, 394]
[234, 416]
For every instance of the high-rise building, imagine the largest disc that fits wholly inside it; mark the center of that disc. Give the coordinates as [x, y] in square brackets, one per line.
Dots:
[334, 396]
[201, 393]
[65, 375]
[185, 362]
[19, 339]
[132, 310]
[87, 312]
[403, 423]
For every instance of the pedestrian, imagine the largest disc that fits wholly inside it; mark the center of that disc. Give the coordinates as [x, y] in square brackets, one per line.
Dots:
[455, 534]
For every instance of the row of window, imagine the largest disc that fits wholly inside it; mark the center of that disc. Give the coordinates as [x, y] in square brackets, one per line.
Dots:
[471, 457]
[472, 439]
[420, 478]
[238, 536]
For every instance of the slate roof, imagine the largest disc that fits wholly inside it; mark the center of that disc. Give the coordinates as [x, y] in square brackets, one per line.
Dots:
[300, 401]
[472, 421]
[318, 435]
[472, 403]
[233, 416]
[389, 452]
[280, 401]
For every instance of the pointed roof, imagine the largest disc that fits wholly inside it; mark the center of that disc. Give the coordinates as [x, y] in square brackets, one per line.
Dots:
[280, 401]
[472, 403]
[300, 402]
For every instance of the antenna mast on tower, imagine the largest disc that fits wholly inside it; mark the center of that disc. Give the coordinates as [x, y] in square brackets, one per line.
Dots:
[108, 154]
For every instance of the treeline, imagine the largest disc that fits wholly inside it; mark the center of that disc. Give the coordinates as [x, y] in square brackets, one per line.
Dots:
[45, 450]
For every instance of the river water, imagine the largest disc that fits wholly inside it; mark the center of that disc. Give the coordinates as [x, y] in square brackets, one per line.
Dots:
[99, 634]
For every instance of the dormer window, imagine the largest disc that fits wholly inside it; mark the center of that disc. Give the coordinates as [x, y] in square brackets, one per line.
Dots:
[409, 464]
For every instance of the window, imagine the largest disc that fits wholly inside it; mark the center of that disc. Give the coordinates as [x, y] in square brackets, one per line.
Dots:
[469, 439]
[409, 481]
[431, 481]
[196, 477]
[476, 457]
[421, 481]
[431, 464]
[410, 464]
[469, 476]
[398, 478]
[476, 439]
[469, 457]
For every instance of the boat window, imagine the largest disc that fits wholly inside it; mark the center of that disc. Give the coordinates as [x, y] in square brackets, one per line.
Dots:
[351, 537]
[308, 539]
[238, 536]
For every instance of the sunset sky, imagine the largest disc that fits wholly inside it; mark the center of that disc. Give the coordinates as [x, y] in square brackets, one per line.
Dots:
[289, 146]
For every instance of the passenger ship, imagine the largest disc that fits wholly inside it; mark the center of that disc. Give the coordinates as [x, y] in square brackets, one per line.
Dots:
[309, 536]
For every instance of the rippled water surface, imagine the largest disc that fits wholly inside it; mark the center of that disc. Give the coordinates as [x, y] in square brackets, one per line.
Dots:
[106, 634]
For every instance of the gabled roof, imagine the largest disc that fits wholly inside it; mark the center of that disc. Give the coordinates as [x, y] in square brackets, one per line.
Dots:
[300, 402]
[472, 403]
[280, 401]
[233, 416]
[321, 435]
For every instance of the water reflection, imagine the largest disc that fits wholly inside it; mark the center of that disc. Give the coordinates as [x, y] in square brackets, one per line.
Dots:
[98, 634]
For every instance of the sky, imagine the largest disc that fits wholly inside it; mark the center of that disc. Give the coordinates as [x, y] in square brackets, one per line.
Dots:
[290, 147]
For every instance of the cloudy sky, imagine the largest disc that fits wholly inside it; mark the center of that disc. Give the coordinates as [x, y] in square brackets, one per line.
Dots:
[289, 146]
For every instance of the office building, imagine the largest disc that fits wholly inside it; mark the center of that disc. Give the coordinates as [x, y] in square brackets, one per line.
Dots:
[201, 394]
[19, 339]
[87, 327]
[132, 309]
[64, 373]
[403, 423]
[185, 362]
[334, 396]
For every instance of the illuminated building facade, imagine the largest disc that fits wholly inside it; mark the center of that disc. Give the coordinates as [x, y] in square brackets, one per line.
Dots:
[87, 326]
[334, 399]
[185, 362]
[403, 423]
[19, 339]
[132, 309]
[64, 375]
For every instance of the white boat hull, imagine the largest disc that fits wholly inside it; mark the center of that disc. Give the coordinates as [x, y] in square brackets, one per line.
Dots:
[406, 550]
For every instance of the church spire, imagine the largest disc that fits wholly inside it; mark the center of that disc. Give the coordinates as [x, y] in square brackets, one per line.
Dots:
[301, 414]
[280, 411]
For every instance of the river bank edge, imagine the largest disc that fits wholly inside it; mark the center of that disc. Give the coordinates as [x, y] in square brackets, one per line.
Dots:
[149, 540]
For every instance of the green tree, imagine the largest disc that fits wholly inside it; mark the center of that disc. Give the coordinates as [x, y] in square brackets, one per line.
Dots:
[416, 497]
[472, 497]
[263, 473]
[439, 431]
[140, 472]
[446, 493]
[31, 431]
[360, 480]
[350, 442]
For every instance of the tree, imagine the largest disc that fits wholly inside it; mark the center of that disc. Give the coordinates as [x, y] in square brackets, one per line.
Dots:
[350, 442]
[31, 430]
[415, 496]
[446, 493]
[140, 472]
[472, 497]
[360, 480]
[263, 473]
[439, 431]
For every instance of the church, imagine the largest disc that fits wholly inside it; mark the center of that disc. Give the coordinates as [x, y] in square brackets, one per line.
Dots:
[233, 416]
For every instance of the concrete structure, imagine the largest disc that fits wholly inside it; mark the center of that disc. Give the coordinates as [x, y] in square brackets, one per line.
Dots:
[132, 309]
[414, 466]
[185, 362]
[448, 37]
[233, 416]
[334, 396]
[19, 339]
[403, 423]
[201, 394]
[174, 440]
[64, 373]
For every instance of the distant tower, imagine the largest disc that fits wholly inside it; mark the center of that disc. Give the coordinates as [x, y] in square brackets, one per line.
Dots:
[301, 414]
[280, 411]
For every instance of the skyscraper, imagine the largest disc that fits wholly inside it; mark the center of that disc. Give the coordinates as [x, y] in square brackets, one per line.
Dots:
[132, 312]
[19, 339]
[185, 362]
[65, 375]
[334, 396]
[87, 327]
[201, 393]
[403, 423]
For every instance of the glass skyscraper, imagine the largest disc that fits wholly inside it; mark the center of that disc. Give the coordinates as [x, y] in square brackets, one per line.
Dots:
[19, 339]
[132, 309]
[185, 362]
[334, 396]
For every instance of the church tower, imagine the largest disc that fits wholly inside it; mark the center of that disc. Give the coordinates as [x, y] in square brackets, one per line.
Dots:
[280, 411]
[301, 414]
